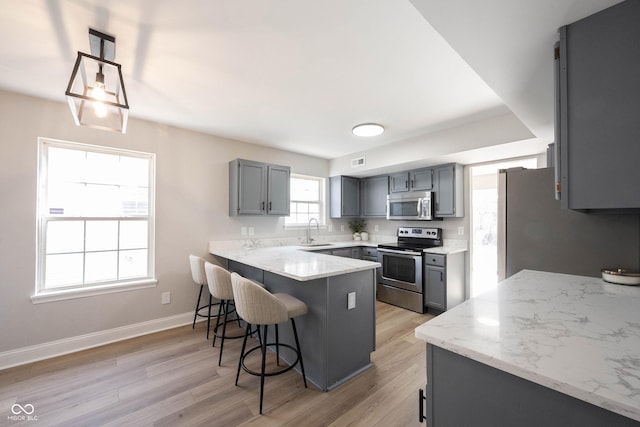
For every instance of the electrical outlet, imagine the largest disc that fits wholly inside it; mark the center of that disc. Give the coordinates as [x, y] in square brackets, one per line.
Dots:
[376, 228]
[243, 231]
[351, 300]
[250, 231]
[460, 231]
[166, 297]
[330, 228]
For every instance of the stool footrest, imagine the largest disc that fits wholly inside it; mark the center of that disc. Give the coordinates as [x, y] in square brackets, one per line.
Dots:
[272, 373]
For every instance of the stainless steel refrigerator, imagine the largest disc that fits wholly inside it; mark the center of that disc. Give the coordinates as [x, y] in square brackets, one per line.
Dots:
[535, 233]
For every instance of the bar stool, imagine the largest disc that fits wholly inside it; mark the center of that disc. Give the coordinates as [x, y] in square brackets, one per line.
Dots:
[257, 306]
[219, 281]
[199, 277]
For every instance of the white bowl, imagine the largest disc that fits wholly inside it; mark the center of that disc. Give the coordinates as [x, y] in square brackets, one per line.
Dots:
[620, 276]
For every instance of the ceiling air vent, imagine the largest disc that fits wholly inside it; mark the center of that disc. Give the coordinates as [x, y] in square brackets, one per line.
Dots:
[357, 162]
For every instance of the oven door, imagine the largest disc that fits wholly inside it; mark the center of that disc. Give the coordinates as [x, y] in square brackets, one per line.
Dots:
[401, 269]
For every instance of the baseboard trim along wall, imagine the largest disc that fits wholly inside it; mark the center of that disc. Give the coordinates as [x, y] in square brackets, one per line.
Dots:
[22, 356]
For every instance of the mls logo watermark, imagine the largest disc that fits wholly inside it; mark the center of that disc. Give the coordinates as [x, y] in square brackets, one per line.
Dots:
[22, 413]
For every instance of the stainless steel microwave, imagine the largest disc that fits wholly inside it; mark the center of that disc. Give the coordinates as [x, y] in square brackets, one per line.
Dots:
[416, 205]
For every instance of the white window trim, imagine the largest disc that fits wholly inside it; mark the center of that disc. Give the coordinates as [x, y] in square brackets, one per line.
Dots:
[42, 295]
[90, 291]
[323, 208]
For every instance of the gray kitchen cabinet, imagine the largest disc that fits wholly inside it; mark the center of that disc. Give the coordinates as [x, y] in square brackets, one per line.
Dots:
[449, 190]
[415, 180]
[343, 252]
[421, 180]
[257, 188]
[399, 182]
[373, 191]
[597, 69]
[443, 280]
[344, 196]
[369, 253]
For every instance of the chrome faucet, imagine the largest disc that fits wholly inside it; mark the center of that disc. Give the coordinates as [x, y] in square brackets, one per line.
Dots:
[309, 238]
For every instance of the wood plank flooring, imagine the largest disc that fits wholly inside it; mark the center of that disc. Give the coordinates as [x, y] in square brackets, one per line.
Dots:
[172, 378]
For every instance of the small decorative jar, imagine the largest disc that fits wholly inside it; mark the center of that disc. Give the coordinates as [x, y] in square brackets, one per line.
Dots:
[364, 235]
[356, 236]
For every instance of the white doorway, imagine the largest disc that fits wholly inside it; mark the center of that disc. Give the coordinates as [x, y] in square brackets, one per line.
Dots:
[484, 221]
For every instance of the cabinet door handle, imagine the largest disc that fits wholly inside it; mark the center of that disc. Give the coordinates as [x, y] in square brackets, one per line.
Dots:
[406, 184]
[262, 206]
[269, 206]
[421, 399]
[441, 278]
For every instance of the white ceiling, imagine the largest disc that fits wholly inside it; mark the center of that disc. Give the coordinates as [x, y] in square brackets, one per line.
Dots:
[299, 74]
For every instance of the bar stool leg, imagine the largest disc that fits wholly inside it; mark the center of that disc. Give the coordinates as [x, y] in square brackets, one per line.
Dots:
[277, 347]
[244, 345]
[224, 330]
[195, 315]
[264, 355]
[209, 316]
[295, 335]
[215, 330]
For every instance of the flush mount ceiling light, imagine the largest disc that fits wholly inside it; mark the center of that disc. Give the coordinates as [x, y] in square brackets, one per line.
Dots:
[367, 129]
[96, 93]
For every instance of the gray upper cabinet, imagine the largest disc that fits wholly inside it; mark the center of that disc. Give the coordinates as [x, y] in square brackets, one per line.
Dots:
[421, 180]
[257, 188]
[415, 180]
[344, 196]
[597, 125]
[399, 182]
[373, 192]
[448, 190]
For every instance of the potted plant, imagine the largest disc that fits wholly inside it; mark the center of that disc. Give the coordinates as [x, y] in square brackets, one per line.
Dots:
[358, 226]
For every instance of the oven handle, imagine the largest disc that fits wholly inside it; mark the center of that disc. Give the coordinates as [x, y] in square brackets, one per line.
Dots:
[408, 254]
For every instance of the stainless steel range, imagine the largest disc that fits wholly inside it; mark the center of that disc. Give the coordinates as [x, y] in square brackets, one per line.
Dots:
[400, 278]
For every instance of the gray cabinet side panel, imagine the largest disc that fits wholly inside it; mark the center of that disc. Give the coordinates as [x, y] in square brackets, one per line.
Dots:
[463, 392]
[352, 337]
[542, 236]
[603, 66]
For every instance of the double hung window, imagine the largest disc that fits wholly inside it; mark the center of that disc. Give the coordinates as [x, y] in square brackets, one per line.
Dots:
[95, 217]
[307, 200]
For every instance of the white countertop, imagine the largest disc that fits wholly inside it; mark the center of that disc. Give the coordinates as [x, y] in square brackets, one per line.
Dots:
[295, 262]
[577, 335]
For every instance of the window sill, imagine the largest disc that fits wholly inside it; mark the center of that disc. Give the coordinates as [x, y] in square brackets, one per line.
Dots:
[66, 294]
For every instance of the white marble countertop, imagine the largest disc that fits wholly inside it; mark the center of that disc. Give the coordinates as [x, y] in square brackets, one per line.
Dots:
[295, 262]
[577, 335]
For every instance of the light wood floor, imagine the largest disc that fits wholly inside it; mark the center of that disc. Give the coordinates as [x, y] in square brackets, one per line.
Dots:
[172, 378]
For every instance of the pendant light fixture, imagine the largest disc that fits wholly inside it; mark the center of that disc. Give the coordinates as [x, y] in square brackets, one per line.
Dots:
[96, 93]
[368, 129]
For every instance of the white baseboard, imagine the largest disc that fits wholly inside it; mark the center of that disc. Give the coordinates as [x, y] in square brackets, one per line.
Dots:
[22, 356]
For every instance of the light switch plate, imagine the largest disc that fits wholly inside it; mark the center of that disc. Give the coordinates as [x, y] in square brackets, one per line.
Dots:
[351, 300]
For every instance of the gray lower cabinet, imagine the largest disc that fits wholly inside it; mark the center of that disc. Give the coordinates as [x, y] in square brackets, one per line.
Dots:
[464, 392]
[597, 69]
[344, 196]
[449, 190]
[344, 252]
[257, 188]
[443, 280]
[373, 192]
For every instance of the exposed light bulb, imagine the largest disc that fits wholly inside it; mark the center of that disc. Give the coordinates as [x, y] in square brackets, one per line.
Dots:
[99, 94]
